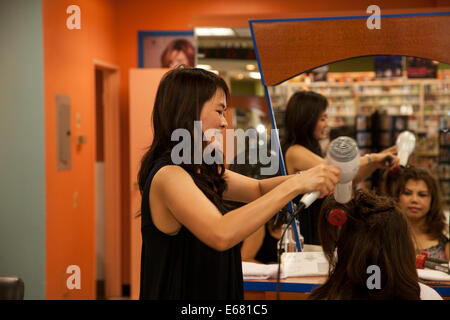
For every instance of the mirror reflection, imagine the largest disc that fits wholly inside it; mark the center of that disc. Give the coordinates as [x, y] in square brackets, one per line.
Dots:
[371, 99]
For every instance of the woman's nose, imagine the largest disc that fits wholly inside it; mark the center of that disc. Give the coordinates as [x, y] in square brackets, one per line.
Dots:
[224, 123]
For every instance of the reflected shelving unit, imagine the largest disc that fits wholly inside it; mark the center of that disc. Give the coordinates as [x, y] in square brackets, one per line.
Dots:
[425, 103]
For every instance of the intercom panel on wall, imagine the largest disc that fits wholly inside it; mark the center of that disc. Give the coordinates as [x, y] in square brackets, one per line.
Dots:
[63, 152]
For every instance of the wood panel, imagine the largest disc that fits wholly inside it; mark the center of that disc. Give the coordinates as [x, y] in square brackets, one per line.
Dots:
[272, 295]
[111, 134]
[288, 48]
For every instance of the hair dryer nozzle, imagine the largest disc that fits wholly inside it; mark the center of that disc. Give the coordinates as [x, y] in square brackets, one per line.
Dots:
[406, 142]
[344, 154]
[343, 192]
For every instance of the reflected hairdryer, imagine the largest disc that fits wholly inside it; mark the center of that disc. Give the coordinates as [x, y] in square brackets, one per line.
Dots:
[344, 154]
[406, 141]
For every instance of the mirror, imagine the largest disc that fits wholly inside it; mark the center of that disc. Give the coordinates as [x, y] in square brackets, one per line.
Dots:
[290, 47]
[404, 92]
[408, 92]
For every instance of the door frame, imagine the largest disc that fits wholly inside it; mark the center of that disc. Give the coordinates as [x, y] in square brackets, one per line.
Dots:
[112, 198]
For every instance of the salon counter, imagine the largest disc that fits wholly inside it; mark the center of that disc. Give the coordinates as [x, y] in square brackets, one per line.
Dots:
[298, 288]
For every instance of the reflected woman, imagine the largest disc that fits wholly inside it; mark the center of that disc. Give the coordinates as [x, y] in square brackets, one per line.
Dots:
[306, 122]
[420, 199]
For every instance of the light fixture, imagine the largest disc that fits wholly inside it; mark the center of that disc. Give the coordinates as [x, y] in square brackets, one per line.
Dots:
[250, 67]
[260, 128]
[254, 75]
[214, 32]
[204, 66]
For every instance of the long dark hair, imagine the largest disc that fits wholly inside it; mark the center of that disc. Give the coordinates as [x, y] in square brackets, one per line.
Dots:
[376, 233]
[181, 95]
[435, 219]
[302, 113]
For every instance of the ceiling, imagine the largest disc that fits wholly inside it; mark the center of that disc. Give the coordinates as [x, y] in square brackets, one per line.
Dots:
[235, 38]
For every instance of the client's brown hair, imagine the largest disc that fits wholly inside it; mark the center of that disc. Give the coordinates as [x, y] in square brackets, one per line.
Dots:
[376, 233]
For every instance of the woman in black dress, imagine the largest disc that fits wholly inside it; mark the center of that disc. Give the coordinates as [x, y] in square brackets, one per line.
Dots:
[190, 240]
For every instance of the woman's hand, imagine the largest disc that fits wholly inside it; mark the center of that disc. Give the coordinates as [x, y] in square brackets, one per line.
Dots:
[386, 159]
[321, 178]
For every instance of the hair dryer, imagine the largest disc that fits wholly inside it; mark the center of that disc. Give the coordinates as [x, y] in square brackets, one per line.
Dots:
[406, 141]
[343, 153]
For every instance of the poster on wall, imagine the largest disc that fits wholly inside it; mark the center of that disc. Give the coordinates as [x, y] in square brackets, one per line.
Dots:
[388, 66]
[421, 68]
[166, 49]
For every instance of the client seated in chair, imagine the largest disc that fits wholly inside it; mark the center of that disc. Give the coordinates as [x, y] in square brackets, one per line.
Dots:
[370, 252]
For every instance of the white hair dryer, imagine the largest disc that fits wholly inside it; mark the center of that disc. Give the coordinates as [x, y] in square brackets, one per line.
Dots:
[344, 154]
[406, 141]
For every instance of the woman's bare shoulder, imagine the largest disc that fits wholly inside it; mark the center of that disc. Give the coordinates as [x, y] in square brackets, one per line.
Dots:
[296, 150]
[170, 172]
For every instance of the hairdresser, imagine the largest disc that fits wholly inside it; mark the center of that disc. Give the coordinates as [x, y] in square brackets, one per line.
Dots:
[190, 239]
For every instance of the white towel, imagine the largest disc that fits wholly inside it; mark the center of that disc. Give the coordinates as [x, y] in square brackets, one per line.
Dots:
[258, 271]
[435, 275]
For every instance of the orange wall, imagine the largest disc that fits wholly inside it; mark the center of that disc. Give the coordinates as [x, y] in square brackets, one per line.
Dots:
[69, 69]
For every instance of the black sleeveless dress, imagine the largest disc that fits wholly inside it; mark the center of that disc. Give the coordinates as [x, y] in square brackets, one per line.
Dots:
[181, 266]
[268, 251]
[309, 221]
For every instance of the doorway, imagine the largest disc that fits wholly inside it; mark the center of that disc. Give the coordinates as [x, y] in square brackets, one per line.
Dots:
[107, 182]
